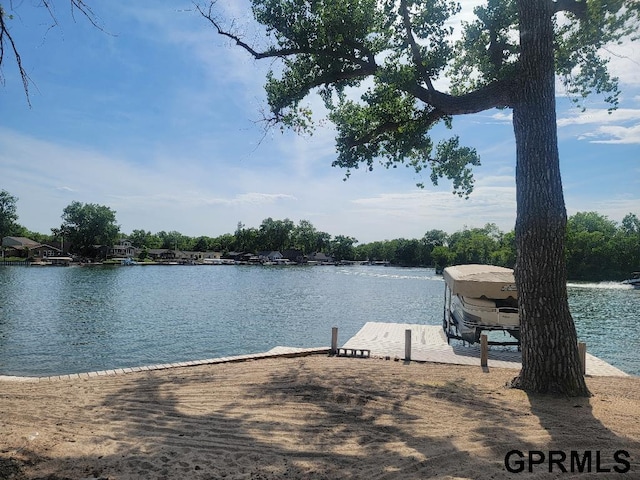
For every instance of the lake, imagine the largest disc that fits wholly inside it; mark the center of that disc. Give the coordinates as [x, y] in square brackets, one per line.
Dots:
[78, 319]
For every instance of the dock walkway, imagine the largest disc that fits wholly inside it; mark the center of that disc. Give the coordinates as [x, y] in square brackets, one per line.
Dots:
[429, 344]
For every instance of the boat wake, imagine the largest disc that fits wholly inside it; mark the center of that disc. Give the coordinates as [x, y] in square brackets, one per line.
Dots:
[350, 271]
[600, 285]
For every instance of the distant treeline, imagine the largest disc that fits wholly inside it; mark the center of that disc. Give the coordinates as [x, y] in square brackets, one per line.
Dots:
[596, 249]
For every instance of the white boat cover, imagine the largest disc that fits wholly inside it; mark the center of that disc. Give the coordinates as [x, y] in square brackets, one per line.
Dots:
[478, 281]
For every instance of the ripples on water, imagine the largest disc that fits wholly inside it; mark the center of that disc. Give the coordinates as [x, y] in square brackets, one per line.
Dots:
[606, 316]
[64, 320]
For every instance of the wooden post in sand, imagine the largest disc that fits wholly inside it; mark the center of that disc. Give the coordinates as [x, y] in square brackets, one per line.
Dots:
[334, 340]
[582, 352]
[407, 345]
[484, 350]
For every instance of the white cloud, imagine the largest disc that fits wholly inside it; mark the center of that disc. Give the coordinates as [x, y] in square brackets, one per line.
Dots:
[621, 126]
[47, 177]
[624, 63]
[503, 116]
[193, 199]
[493, 201]
[599, 116]
[615, 208]
[616, 134]
[259, 198]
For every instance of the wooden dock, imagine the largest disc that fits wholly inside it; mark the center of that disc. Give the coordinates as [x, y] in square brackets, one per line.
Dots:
[429, 344]
[375, 339]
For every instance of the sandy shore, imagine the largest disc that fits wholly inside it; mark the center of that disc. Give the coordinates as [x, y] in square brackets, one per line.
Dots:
[312, 418]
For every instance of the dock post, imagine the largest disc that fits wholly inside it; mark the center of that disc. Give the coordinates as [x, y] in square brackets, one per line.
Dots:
[582, 352]
[484, 350]
[407, 345]
[334, 340]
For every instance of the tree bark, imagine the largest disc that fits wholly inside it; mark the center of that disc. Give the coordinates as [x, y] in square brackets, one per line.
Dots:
[550, 361]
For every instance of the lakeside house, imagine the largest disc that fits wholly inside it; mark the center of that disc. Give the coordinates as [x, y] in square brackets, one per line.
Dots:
[181, 256]
[269, 256]
[294, 255]
[39, 253]
[26, 248]
[321, 258]
[124, 248]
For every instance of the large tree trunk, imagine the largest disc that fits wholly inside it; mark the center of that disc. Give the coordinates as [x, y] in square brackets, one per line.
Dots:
[550, 361]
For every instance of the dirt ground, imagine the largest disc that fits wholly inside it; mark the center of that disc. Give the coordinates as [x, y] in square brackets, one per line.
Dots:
[315, 417]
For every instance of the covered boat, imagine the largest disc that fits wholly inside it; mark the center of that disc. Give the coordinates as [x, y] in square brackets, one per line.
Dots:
[479, 298]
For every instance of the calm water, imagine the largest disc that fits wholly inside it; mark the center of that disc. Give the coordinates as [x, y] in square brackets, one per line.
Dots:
[68, 320]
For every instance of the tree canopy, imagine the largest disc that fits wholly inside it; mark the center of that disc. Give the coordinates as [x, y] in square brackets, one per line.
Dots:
[8, 215]
[389, 71]
[405, 55]
[86, 225]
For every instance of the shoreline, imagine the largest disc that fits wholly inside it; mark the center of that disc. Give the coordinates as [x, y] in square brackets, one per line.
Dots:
[377, 339]
[312, 417]
[276, 352]
[598, 367]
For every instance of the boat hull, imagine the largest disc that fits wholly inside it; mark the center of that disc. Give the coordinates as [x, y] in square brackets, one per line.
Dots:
[472, 316]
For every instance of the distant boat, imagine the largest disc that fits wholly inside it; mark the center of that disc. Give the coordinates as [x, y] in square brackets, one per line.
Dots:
[128, 262]
[218, 261]
[634, 281]
[212, 261]
[283, 261]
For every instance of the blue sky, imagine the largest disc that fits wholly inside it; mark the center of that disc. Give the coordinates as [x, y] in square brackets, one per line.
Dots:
[157, 117]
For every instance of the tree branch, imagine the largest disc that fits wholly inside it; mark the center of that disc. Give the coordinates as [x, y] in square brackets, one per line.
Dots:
[236, 39]
[286, 52]
[257, 55]
[496, 48]
[577, 7]
[415, 50]
[497, 94]
[5, 36]
[427, 120]
[87, 12]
